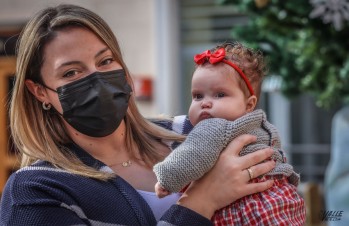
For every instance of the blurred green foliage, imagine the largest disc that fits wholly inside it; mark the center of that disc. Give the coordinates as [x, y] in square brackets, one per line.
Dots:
[310, 56]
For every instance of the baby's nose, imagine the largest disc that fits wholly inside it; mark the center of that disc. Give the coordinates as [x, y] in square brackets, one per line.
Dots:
[206, 104]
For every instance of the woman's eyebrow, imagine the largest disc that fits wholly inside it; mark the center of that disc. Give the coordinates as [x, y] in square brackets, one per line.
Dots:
[68, 63]
[78, 62]
[101, 51]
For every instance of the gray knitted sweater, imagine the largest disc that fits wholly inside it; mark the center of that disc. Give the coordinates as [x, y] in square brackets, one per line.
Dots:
[203, 145]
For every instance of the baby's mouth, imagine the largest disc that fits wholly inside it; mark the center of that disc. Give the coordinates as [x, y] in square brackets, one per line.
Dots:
[205, 115]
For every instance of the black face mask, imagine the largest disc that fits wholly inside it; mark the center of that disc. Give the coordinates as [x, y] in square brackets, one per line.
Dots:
[96, 104]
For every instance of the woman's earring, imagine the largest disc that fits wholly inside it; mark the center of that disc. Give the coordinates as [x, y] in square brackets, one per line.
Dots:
[46, 106]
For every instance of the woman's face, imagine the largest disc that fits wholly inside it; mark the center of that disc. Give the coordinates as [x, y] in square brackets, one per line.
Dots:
[73, 54]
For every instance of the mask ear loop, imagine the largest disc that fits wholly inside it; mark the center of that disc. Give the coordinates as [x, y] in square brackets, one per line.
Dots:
[45, 86]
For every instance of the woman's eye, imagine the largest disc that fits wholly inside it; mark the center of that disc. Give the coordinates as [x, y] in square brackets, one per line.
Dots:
[107, 61]
[70, 73]
[220, 94]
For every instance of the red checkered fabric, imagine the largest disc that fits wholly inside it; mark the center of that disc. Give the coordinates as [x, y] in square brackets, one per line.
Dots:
[280, 205]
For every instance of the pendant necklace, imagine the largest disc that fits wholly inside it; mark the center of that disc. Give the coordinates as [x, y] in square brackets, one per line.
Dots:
[126, 163]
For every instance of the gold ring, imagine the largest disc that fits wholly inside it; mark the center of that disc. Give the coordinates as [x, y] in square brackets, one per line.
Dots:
[250, 173]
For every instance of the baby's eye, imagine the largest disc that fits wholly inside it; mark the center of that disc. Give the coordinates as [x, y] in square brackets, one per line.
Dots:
[70, 73]
[197, 96]
[220, 94]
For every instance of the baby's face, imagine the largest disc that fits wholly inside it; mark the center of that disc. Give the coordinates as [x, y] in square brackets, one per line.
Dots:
[216, 94]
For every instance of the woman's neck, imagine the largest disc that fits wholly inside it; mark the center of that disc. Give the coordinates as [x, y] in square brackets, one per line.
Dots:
[106, 149]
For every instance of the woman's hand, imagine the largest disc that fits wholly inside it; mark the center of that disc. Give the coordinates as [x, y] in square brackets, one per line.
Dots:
[229, 179]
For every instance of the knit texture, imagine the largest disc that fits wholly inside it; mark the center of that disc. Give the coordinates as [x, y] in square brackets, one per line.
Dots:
[203, 145]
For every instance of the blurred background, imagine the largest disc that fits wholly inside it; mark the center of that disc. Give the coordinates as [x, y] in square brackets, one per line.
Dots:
[304, 40]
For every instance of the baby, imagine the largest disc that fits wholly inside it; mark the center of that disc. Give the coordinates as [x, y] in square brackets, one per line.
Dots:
[225, 90]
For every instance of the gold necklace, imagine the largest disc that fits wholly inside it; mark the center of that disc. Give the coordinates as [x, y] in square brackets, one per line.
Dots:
[126, 163]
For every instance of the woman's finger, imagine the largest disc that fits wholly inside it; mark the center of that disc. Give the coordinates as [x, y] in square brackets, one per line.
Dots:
[256, 157]
[256, 187]
[258, 170]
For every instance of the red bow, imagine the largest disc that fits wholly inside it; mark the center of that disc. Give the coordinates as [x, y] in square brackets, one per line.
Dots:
[213, 58]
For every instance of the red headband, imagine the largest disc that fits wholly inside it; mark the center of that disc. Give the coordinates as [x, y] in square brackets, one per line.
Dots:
[219, 56]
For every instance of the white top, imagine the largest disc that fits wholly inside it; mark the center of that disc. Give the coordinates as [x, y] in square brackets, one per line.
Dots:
[157, 205]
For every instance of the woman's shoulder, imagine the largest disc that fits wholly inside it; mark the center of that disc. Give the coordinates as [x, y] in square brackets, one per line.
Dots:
[33, 177]
[42, 183]
[37, 171]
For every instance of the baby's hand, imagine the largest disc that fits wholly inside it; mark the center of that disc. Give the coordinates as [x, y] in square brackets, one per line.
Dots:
[160, 191]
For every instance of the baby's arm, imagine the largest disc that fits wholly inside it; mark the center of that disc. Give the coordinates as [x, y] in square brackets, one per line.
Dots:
[194, 157]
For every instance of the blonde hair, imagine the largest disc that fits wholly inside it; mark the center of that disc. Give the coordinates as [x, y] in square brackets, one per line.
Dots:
[250, 61]
[40, 134]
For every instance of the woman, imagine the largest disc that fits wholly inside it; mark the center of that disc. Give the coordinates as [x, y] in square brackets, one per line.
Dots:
[87, 153]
